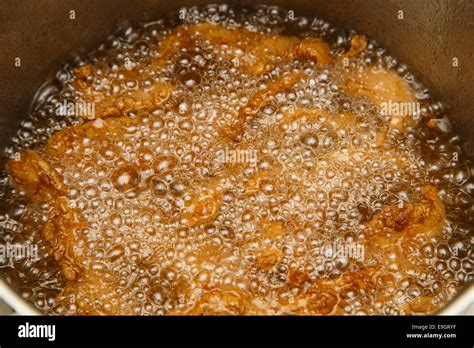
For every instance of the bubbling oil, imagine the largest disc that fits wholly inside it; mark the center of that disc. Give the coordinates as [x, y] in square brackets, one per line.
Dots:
[260, 231]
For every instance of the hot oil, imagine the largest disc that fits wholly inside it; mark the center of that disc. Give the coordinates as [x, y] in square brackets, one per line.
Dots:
[315, 182]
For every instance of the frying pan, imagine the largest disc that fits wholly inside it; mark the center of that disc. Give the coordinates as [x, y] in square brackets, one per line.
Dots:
[432, 37]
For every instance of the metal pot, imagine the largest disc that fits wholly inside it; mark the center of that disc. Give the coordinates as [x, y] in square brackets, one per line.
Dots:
[429, 36]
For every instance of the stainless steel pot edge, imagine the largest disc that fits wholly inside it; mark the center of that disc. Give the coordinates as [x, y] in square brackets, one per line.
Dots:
[15, 301]
[461, 304]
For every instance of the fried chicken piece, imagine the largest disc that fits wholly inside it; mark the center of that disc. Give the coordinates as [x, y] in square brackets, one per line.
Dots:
[358, 44]
[62, 234]
[130, 101]
[34, 174]
[101, 136]
[43, 184]
[328, 296]
[273, 230]
[235, 129]
[92, 294]
[205, 204]
[285, 83]
[254, 53]
[388, 233]
[228, 301]
[316, 300]
[267, 52]
[324, 296]
[108, 104]
[394, 231]
[412, 219]
[267, 259]
[295, 118]
[297, 277]
[421, 304]
[64, 144]
[247, 114]
[313, 49]
[384, 88]
[380, 85]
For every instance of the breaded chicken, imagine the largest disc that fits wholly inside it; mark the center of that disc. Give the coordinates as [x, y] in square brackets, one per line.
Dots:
[143, 207]
[252, 52]
[43, 184]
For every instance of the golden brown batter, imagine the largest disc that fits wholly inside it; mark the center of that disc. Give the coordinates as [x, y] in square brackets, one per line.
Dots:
[144, 217]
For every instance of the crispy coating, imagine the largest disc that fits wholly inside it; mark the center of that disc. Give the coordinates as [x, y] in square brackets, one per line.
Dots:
[44, 184]
[196, 204]
[390, 234]
[358, 44]
[117, 104]
[254, 53]
[267, 259]
[94, 295]
[100, 132]
[385, 89]
[41, 181]
[380, 85]
[204, 205]
[394, 231]
[246, 115]
[62, 234]
[412, 219]
[136, 100]
[226, 301]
